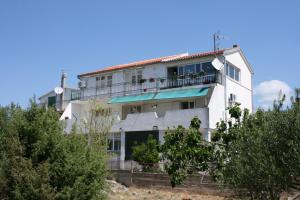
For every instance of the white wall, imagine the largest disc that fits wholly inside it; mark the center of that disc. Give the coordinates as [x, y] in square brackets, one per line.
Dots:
[243, 88]
[243, 95]
[216, 106]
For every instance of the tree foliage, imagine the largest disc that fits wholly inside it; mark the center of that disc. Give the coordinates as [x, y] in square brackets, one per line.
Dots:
[185, 152]
[147, 154]
[38, 162]
[96, 125]
[259, 152]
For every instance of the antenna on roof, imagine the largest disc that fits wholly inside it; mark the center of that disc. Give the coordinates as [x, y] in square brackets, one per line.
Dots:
[217, 37]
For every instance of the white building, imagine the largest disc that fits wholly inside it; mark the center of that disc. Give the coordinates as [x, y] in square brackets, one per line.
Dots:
[59, 101]
[150, 96]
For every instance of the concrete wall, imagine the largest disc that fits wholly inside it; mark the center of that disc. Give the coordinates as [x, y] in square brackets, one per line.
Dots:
[194, 183]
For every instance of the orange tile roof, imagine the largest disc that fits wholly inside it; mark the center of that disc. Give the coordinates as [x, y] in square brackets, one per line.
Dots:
[164, 59]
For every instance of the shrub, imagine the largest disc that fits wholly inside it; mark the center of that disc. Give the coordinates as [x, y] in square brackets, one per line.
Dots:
[147, 154]
[259, 153]
[38, 162]
[185, 152]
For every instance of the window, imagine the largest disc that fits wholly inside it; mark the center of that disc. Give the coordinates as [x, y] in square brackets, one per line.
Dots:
[198, 68]
[135, 109]
[208, 68]
[237, 75]
[117, 144]
[136, 76]
[233, 72]
[139, 76]
[102, 81]
[180, 71]
[189, 69]
[133, 79]
[114, 142]
[187, 105]
[52, 101]
[109, 80]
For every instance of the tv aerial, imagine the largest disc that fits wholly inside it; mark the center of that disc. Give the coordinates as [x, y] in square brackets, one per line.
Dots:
[58, 90]
[217, 37]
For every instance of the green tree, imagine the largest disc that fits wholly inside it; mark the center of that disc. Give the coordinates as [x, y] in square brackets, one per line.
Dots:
[259, 152]
[147, 154]
[37, 161]
[185, 152]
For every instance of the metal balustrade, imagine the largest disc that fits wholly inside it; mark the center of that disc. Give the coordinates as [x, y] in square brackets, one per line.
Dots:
[144, 86]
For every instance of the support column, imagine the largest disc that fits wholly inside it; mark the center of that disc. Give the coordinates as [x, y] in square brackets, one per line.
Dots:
[161, 139]
[208, 135]
[161, 134]
[122, 150]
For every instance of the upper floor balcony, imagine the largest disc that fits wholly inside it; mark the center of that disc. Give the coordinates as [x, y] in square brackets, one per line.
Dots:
[142, 86]
[170, 119]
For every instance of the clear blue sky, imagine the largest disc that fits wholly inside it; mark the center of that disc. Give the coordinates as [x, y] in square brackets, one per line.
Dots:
[40, 38]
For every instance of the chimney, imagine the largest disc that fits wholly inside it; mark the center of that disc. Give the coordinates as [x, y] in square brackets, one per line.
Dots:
[63, 83]
[235, 46]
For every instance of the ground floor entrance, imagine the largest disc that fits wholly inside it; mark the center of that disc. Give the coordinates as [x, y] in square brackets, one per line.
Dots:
[137, 137]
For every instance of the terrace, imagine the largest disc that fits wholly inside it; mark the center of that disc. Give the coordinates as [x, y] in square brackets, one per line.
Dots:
[143, 86]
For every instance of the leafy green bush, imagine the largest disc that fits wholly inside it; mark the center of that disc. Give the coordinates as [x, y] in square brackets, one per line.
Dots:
[147, 154]
[185, 152]
[259, 152]
[38, 162]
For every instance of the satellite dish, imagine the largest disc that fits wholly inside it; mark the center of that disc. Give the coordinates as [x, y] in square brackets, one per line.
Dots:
[217, 64]
[58, 90]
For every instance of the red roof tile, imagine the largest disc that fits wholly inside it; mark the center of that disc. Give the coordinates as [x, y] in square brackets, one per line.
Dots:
[164, 59]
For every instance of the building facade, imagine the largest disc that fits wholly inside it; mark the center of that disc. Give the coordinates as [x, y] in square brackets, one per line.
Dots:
[61, 100]
[151, 96]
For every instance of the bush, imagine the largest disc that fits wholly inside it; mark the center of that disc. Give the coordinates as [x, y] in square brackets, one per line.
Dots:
[259, 153]
[185, 152]
[147, 154]
[38, 162]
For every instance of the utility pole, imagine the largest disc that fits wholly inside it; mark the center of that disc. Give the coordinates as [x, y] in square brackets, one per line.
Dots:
[297, 90]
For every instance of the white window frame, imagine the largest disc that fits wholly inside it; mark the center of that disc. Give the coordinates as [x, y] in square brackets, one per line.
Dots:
[133, 76]
[102, 81]
[235, 69]
[115, 136]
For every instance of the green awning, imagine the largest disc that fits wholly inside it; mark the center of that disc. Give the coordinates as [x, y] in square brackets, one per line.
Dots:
[134, 98]
[184, 93]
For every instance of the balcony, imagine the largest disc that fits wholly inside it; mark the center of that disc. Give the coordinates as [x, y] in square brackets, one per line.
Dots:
[171, 119]
[145, 86]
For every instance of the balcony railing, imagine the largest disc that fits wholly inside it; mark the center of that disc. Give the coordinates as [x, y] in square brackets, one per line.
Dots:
[170, 119]
[145, 86]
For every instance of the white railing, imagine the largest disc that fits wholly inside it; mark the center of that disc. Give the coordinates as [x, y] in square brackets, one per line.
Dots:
[171, 119]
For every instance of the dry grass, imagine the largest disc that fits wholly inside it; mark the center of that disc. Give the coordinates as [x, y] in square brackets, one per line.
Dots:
[119, 192]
